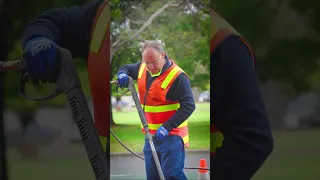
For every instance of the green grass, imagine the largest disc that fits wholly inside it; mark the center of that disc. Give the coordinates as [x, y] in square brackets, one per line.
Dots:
[129, 132]
[296, 156]
[50, 169]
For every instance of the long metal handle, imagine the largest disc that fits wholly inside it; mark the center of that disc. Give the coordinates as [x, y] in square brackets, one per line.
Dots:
[144, 122]
[145, 126]
[69, 82]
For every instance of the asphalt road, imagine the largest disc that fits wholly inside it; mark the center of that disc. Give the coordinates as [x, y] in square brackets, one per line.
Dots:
[132, 167]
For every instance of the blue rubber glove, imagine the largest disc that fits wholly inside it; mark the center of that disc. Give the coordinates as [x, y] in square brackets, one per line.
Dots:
[40, 54]
[161, 133]
[123, 80]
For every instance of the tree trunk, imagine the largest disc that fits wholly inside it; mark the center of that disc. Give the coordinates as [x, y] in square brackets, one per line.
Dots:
[111, 115]
[111, 119]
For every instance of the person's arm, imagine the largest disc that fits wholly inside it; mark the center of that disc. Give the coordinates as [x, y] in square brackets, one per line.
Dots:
[68, 27]
[131, 70]
[180, 91]
[239, 112]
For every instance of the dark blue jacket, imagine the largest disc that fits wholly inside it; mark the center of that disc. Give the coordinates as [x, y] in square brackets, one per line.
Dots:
[179, 91]
[68, 27]
[239, 112]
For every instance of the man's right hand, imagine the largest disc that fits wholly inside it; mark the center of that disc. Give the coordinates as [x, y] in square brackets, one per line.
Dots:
[123, 80]
[40, 54]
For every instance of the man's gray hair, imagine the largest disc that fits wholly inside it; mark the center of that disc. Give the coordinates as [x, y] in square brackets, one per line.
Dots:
[155, 44]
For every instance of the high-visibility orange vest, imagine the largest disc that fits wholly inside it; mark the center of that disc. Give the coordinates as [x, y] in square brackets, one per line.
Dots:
[156, 107]
[220, 31]
[99, 71]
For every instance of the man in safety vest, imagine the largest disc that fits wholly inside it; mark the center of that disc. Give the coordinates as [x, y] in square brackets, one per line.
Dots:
[85, 32]
[241, 138]
[166, 97]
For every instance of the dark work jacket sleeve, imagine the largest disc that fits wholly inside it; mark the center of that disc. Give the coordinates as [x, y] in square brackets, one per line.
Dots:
[239, 112]
[69, 27]
[131, 70]
[180, 91]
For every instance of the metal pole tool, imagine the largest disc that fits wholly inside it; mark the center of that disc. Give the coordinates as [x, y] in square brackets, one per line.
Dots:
[68, 82]
[144, 122]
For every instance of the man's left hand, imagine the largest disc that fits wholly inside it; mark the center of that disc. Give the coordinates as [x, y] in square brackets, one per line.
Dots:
[161, 133]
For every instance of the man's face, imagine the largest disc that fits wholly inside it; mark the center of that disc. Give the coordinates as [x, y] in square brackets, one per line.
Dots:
[153, 60]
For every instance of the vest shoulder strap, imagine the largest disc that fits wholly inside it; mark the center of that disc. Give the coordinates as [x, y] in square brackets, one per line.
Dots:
[220, 30]
[101, 22]
[174, 72]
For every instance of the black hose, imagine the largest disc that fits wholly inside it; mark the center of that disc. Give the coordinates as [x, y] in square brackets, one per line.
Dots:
[143, 157]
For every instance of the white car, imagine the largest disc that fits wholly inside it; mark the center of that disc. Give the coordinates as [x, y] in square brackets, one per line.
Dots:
[204, 97]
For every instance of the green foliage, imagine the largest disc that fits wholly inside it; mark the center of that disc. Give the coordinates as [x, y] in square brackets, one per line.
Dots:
[293, 61]
[186, 38]
[280, 55]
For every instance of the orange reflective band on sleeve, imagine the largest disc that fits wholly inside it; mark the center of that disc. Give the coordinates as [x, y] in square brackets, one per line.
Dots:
[216, 140]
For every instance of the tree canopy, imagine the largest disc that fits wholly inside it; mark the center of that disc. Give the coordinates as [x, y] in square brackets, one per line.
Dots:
[284, 34]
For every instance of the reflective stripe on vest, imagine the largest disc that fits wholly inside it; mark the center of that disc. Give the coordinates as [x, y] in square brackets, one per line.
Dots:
[156, 126]
[98, 71]
[158, 109]
[162, 108]
[170, 76]
[141, 69]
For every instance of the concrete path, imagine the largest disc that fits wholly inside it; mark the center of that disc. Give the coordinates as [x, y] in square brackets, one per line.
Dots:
[132, 167]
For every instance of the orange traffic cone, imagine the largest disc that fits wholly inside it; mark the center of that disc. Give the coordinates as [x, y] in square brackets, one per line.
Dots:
[203, 174]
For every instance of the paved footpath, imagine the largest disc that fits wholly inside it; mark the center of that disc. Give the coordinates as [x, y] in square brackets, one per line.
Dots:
[132, 167]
